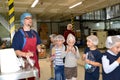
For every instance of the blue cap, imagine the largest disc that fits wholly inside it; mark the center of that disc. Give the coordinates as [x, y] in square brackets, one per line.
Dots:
[23, 16]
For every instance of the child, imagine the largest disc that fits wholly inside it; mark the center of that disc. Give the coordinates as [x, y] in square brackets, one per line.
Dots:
[52, 37]
[111, 59]
[52, 41]
[57, 50]
[71, 55]
[92, 57]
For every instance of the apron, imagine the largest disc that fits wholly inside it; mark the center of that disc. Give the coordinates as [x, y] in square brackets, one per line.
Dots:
[30, 45]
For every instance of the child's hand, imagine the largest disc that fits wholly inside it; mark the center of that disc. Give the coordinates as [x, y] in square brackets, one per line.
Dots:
[118, 60]
[87, 61]
[83, 56]
[52, 57]
[68, 49]
[73, 50]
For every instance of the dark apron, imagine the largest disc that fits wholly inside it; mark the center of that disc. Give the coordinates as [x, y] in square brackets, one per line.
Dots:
[30, 45]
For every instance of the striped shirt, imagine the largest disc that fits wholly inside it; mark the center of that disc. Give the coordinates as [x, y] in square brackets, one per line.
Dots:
[58, 51]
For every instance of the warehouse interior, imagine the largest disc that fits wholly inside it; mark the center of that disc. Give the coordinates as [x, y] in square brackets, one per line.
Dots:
[98, 17]
[53, 18]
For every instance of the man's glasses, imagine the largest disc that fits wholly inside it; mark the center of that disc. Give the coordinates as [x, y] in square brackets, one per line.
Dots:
[28, 18]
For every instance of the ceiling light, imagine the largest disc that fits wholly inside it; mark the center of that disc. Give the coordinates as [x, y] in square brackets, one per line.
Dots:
[111, 22]
[97, 24]
[75, 5]
[34, 3]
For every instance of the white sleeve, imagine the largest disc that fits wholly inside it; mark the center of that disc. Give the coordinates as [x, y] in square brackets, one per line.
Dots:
[107, 67]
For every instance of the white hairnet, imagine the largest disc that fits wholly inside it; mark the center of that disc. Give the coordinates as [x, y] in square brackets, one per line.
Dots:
[118, 36]
[23, 16]
[60, 37]
[111, 41]
[52, 35]
[71, 37]
[93, 39]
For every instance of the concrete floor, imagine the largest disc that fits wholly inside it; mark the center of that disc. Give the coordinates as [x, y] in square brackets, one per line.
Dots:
[46, 72]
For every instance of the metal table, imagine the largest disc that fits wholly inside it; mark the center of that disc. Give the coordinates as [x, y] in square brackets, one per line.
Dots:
[21, 74]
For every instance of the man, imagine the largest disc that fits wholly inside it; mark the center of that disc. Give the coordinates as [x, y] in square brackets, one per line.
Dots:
[26, 41]
[68, 31]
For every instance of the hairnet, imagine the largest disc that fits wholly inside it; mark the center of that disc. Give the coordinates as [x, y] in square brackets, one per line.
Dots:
[60, 37]
[23, 16]
[93, 39]
[52, 35]
[118, 36]
[111, 41]
[70, 37]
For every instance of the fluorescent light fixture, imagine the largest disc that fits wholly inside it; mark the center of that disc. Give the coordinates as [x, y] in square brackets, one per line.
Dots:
[34, 3]
[75, 5]
[111, 22]
[97, 24]
[77, 17]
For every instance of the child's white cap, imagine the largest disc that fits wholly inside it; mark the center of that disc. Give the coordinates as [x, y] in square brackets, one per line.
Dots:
[52, 35]
[60, 37]
[70, 37]
[118, 36]
[93, 39]
[111, 41]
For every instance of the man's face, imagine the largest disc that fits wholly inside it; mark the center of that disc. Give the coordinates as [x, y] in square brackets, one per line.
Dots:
[28, 21]
[69, 27]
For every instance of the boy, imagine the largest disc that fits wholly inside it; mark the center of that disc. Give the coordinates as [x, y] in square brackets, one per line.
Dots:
[92, 57]
[52, 44]
[57, 50]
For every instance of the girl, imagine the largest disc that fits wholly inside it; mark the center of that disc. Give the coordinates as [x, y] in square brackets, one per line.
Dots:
[71, 56]
[111, 59]
[57, 50]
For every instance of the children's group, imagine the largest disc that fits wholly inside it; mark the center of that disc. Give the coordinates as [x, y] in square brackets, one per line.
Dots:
[64, 55]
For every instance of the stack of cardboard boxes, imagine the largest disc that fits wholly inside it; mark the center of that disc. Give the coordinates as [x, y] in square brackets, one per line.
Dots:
[44, 38]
